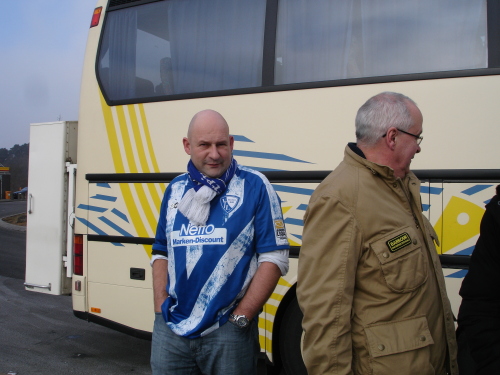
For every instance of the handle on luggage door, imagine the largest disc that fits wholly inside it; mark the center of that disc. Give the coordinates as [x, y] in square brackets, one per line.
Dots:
[30, 203]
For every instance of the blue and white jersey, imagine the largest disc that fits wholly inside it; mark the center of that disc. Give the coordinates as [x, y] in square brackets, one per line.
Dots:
[211, 266]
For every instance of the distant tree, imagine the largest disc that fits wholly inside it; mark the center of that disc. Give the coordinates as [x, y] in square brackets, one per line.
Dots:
[4, 154]
[17, 159]
[19, 151]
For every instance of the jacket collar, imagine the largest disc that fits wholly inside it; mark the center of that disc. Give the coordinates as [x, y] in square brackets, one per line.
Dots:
[354, 155]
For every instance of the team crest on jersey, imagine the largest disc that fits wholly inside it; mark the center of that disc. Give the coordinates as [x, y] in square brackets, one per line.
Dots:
[229, 202]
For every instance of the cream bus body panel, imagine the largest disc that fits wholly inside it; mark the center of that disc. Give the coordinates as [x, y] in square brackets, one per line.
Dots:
[293, 205]
[113, 292]
[457, 226]
[322, 123]
[287, 130]
[293, 123]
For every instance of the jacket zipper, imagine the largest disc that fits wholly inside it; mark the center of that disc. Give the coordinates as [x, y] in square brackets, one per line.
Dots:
[409, 202]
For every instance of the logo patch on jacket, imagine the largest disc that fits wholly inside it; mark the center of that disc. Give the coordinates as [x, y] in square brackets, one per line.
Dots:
[398, 242]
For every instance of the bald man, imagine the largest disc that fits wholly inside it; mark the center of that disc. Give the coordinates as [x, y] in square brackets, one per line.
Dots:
[219, 251]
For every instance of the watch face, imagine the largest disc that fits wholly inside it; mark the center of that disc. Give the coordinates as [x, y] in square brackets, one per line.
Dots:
[242, 321]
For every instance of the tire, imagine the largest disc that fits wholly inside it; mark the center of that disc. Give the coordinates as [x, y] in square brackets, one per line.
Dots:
[290, 340]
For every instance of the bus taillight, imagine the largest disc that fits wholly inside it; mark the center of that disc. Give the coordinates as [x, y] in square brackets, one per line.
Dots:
[78, 255]
[96, 17]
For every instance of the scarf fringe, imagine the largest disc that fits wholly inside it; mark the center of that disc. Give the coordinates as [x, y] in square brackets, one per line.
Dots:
[195, 205]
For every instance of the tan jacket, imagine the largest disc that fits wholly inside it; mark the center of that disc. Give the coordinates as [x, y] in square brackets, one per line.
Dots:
[370, 282]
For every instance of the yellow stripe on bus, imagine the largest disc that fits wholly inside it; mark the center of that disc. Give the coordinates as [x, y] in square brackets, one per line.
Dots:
[266, 325]
[148, 138]
[270, 309]
[141, 153]
[144, 204]
[145, 127]
[266, 343]
[118, 163]
[112, 137]
[127, 145]
[283, 282]
[276, 297]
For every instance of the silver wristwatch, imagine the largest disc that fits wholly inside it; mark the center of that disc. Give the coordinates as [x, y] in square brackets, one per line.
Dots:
[239, 320]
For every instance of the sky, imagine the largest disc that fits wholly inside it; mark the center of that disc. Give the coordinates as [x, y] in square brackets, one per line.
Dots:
[42, 45]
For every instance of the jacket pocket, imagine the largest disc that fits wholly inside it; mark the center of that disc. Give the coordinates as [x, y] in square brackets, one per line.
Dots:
[401, 259]
[402, 345]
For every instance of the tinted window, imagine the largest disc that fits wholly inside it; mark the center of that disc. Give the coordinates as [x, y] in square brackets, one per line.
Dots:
[194, 46]
[327, 40]
[180, 46]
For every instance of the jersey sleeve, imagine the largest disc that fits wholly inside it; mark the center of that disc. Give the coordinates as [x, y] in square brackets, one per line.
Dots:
[270, 231]
[160, 246]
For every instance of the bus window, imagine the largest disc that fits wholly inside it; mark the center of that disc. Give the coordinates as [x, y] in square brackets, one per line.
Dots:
[329, 40]
[177, 47]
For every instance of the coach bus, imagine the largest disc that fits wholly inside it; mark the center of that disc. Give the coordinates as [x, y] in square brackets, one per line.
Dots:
[288, 76]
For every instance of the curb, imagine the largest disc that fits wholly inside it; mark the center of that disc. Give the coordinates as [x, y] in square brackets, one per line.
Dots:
[17, 228]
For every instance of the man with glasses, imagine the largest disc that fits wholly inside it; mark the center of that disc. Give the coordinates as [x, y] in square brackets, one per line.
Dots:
[370, 282]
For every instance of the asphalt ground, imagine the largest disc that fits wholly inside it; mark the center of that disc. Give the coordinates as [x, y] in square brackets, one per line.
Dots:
[39, 333]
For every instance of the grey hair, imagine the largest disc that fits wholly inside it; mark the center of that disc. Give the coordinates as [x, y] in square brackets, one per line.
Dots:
[381, 112]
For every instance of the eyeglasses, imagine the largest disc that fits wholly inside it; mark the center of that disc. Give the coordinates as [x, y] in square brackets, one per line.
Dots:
[419, 137]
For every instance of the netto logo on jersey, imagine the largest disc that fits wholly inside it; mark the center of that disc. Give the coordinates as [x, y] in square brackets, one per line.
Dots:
[193, 230]
[191, 234]
[398, 242]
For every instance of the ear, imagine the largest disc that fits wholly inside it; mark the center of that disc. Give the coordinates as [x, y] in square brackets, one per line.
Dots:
[390, 138]
[231, 142]
[187, 145]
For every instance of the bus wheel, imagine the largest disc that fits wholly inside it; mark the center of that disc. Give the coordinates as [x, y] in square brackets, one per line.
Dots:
[290, 340]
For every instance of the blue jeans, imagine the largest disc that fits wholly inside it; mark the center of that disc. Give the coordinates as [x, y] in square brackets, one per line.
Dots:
[228, 350]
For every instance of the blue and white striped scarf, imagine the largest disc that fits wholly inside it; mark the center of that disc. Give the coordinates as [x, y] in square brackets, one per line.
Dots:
[195, 204]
